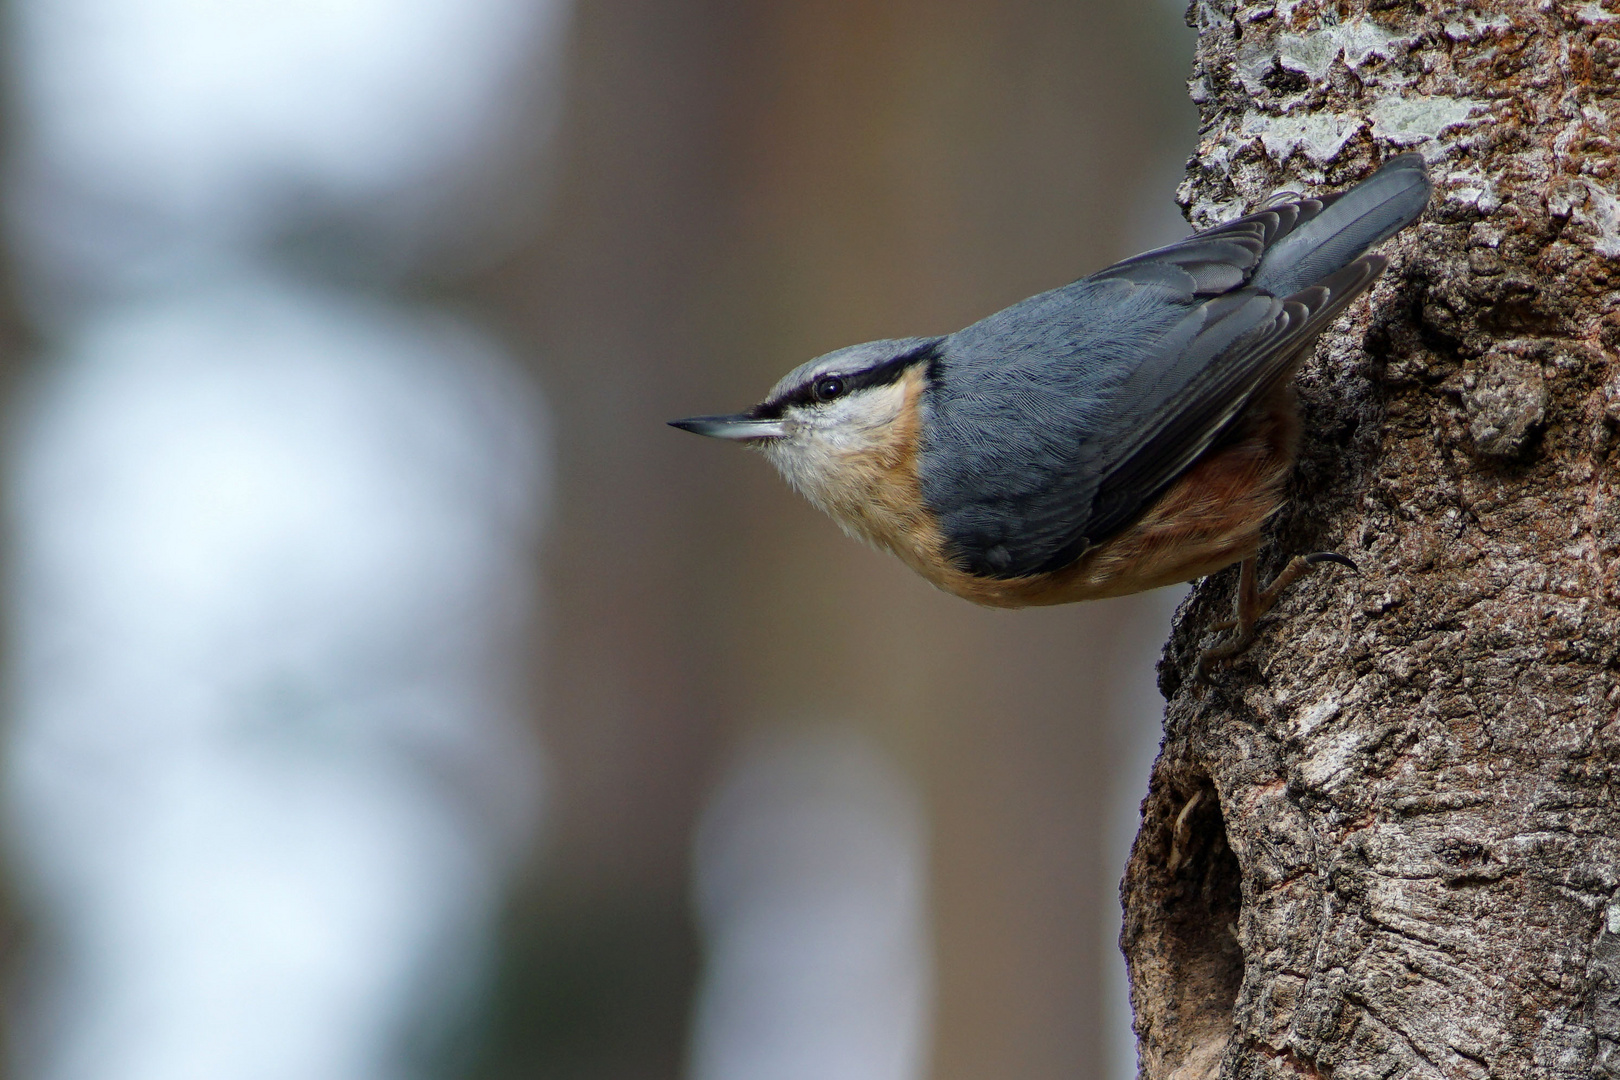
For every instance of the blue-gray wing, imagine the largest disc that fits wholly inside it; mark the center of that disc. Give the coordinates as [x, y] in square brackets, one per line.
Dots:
[1034, 455]
[1055, 423]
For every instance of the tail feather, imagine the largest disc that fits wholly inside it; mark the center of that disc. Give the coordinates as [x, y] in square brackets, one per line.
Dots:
[1373, 210]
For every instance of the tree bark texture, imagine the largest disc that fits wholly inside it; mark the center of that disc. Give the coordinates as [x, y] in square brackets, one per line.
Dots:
[1385, 842]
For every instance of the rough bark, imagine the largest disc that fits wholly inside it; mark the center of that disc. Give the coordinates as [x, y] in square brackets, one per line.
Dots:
[1386, 841]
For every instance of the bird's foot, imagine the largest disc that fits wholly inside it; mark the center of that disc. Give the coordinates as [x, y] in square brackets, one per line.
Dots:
[1253, 602]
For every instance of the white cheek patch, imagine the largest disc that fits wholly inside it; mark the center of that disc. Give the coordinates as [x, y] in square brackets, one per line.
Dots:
[857, 422]
[823, 441]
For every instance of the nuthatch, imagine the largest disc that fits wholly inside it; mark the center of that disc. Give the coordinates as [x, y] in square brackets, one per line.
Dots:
[1133, 429]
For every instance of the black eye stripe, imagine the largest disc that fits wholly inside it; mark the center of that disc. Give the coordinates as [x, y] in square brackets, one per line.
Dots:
[882, 374]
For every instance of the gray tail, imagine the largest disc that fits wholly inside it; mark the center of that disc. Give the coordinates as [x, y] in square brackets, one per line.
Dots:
[1345, 225]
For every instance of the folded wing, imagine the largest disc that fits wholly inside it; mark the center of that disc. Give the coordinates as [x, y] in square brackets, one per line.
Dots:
[1056, 422]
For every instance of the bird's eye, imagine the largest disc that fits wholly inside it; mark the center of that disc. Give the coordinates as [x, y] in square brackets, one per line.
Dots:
[828, 387]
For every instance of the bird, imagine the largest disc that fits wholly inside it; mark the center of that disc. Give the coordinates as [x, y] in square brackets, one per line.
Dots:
[1133, 429]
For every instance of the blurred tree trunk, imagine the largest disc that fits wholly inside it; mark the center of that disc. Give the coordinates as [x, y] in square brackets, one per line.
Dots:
[1386, 841]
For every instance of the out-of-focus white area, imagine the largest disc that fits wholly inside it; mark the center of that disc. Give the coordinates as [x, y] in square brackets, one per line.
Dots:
[270, 555]
[277, 461]
[167, 140]
[271, 540]
[811, 890]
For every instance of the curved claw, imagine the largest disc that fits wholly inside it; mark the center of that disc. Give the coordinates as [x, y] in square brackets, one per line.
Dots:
[1316, 558]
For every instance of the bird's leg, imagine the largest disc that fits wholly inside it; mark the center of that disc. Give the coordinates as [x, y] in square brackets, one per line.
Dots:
[1253, 602]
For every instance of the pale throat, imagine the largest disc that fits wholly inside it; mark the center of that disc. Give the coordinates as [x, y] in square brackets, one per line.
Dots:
[857, 461]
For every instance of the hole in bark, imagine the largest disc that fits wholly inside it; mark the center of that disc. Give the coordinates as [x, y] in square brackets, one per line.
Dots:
[1184, 898]
[1204, 903]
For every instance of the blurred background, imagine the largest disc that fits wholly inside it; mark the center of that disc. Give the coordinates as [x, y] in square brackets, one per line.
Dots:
[390, 694]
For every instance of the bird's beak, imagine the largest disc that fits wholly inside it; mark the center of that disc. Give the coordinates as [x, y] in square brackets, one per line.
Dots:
[739, 427]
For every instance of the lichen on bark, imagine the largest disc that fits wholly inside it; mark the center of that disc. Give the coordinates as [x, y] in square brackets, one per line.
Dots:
[1386, 840]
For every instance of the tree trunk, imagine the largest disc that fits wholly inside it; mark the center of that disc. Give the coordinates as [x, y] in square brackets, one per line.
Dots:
[1386, 840]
